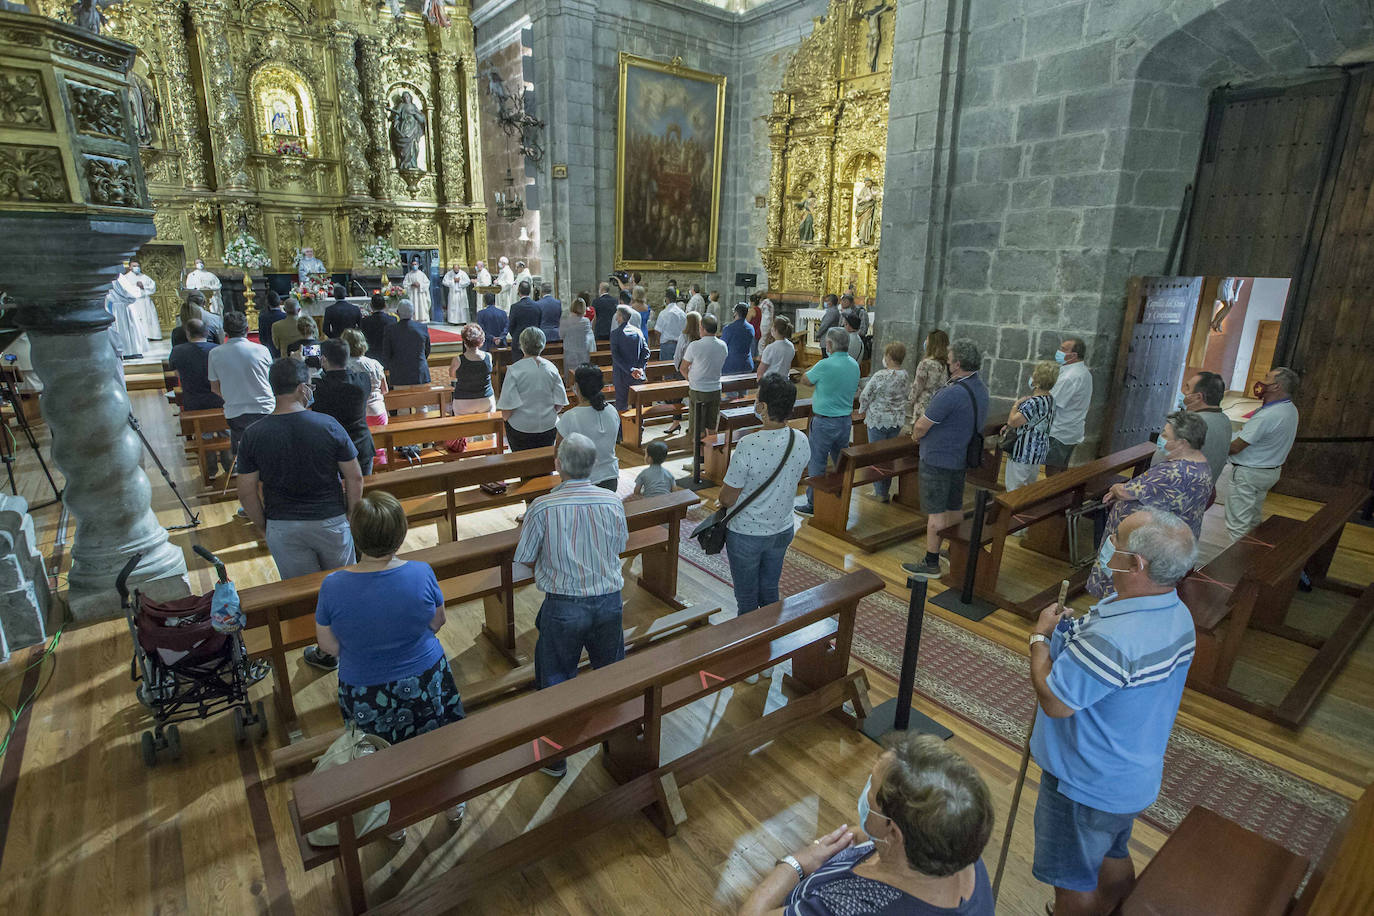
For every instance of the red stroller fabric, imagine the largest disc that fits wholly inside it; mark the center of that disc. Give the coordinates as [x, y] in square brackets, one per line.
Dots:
[177, 627]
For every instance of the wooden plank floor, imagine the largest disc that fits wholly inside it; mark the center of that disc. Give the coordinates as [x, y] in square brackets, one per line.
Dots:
[92, 829]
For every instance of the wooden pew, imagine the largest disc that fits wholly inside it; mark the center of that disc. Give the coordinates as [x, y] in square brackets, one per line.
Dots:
[439, 430]
[734, 423]
[657, 402]
[195, 423]
[1025, 507]
[280, 615]
[1251, 585]
[417, 397]
[622, 706]
[863, 464]
[453, 488]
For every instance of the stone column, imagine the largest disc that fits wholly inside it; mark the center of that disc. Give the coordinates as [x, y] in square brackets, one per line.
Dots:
[87, 411]
[374, 92]
[226, 112]
[185, 113]
[357, 175]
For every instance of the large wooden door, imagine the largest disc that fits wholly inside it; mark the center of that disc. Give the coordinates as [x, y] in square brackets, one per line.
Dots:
[1155, 338]
[1262, 356]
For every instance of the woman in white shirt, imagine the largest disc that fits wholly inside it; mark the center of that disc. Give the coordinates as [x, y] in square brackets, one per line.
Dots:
[359, 361]
[776, 358]
[596, 420]
[531, 394]
[691, 330]
[882, 405]
[757, 536]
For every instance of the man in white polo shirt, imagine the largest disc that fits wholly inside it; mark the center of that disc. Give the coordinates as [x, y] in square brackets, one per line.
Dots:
[701, 363]
[1259, 451]
[238, 373]
[1073, 394]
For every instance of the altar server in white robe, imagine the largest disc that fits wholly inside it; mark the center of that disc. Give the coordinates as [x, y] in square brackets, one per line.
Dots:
[417, 289]
[457, 281]
[522, 275]
[206, 283]
[483, 275]
[505, 279]
[124, 333]
[140, 287]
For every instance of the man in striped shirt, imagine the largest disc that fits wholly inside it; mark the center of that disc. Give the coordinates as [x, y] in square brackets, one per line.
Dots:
[1109, 685]
[573, 538]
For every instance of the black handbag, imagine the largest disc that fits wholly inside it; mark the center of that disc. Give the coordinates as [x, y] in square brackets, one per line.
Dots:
[710, 534]
[973, 454]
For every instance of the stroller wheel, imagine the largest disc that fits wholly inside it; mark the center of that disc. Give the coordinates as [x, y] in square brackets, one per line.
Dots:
[262, 720]
[173, 736]
[240, 725]
[149, 747]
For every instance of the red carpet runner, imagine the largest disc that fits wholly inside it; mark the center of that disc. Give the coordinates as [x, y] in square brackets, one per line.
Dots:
[988, 686]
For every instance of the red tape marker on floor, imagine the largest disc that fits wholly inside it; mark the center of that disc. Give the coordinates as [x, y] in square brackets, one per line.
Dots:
[706, 674]
[551, 743]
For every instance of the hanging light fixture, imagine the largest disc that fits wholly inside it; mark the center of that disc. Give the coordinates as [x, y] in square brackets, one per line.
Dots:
[524, 234]
[508, 203]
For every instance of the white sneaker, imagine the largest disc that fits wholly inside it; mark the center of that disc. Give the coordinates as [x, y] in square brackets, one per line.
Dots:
[457, 813]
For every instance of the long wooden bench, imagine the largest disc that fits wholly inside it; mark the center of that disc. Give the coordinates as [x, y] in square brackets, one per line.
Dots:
[865, 463]
[453, 488]
[734, 423]
[1025, 508]
[418, 397]
[1251, 585]
[195, 425]
[280, 615]
[663, 402]
[437, 431]
[621, 707]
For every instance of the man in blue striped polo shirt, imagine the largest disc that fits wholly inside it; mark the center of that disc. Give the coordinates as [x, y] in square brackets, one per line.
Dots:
[573, 538]
[1109, 684]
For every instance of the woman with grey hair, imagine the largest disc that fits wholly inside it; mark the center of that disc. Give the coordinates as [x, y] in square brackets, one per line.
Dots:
[1179, 482]
[531, 394]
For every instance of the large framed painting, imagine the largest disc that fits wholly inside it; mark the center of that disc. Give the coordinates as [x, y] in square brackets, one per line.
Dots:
[668, 156]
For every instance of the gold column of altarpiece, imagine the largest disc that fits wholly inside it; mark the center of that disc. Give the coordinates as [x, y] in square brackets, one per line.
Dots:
[270, 115]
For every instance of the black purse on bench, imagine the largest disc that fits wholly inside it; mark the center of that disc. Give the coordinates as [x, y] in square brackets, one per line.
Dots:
[710, 534]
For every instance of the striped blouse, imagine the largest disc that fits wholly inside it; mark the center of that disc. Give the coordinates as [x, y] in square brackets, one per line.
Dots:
[573, 537]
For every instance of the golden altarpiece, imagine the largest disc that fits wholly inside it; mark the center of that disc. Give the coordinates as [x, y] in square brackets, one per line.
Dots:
[280, 117]
[828, 138]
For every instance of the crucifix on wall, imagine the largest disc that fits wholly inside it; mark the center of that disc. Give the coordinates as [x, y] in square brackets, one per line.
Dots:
[875, 33]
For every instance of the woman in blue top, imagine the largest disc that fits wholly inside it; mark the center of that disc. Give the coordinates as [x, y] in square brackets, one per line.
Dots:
[380, 617]
[739, 341]
[927, 815]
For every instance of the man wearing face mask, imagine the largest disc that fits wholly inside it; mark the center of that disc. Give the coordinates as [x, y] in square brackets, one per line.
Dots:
[1202, 395]
[1109, 684]
[1258, 453]
[298, 479]
[207, 284]
[417, 290]
[1073, 394]
[140, 287]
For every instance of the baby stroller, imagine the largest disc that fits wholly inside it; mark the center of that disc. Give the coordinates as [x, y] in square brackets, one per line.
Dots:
[188, 668]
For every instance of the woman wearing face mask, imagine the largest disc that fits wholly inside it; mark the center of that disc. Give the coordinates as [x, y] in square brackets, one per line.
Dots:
[1032, 415]
[1180, 482]
[927, 815]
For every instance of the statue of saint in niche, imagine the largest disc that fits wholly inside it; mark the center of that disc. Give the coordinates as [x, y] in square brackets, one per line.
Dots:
[866, 212]
[407, 132]
[806, 231]
[281, 119]
[144, 106]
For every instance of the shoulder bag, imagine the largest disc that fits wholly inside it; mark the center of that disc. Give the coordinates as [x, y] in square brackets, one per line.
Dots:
[973, 453]
[710, 534]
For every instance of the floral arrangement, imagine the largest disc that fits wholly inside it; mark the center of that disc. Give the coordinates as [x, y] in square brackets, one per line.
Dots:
[379, 253]
[311, 289]
[246, 253]
[290, 146]
[394, 293]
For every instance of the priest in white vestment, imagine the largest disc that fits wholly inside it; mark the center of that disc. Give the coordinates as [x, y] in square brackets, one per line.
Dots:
[417, 290]
[206, 283]
[457, 281]
[124, 333]
[505, 279]
[483, 275]
[309, 266]
[522, 275]
[140, 287]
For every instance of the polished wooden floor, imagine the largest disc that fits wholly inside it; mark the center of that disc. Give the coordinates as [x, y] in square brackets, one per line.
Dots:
[92, 830]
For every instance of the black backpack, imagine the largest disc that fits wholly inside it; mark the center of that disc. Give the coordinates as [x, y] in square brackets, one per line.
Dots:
[973, 454]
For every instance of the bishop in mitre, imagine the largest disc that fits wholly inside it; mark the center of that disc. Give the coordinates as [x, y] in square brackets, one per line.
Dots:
[417, 289]
[207, 284]
[140, 287]
[505, 279]
[457, 281]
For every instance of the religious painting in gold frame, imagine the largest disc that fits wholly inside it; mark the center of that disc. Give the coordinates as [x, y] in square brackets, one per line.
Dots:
[669, 138]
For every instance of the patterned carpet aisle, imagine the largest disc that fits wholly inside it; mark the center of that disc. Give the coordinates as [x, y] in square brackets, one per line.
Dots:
[988, 686]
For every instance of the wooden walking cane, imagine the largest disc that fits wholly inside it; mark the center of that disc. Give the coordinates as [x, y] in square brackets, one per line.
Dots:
[1021, 777]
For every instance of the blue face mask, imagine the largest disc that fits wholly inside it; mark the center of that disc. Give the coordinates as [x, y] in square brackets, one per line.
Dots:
[1031, 383]
[864, 809]
[1105, 554]
[1163, 445]
[309, 396]
[1059, 357]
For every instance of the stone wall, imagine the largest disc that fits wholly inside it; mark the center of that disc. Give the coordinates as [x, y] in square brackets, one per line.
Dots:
[508, 55]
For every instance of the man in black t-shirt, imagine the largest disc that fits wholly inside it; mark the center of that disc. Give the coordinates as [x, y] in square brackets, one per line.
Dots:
[342, 395]
[298, 458]
[191, 360]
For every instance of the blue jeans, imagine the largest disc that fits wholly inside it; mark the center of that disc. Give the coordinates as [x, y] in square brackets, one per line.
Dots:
[667, 349]
[829, 436]
[877, 434]
[756, 567]
[566, 624]
[1072, 839]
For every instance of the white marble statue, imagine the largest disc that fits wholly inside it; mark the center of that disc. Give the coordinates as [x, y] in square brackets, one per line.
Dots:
[417, 290]
[483, 275]
[208, 284]
[457, 281]
[309, 266]
[124, 333]
[140, 287]
[505, 279]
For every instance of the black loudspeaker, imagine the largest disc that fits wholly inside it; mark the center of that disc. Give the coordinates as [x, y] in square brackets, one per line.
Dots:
[746, 280]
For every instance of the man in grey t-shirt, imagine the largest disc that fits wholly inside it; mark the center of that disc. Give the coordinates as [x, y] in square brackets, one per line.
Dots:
[1258, 453]
[1202, 395]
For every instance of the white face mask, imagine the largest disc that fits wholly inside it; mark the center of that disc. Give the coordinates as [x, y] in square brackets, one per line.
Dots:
[200, 265]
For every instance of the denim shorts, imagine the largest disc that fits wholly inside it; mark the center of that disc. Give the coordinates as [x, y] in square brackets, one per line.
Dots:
[1072, 839]
[942, 489]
